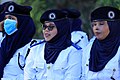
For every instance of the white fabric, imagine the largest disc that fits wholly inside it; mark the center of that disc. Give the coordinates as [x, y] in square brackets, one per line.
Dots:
[66, 67]
[12, 70]
[1, 38]
[79, 35]
[112, 68]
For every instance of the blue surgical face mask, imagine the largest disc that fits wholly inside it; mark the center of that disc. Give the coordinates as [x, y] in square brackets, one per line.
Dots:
[10, 26]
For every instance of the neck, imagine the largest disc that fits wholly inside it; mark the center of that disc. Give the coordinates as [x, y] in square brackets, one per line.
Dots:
[1, 27]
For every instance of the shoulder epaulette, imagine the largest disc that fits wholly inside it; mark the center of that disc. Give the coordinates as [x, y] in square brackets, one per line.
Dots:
[33, 42]
[79, 40]
[76, 46]
[40, 42]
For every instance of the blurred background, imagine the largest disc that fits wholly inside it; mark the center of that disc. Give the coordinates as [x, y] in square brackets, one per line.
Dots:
[84, 6]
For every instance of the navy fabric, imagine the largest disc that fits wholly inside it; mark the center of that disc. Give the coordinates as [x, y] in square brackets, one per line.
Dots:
[105, 13]
[1, 13]
[74, 15]
[60, 42]
[52, 15]
[1, 56]
[76, 24]
[103, 51]
[13, 8]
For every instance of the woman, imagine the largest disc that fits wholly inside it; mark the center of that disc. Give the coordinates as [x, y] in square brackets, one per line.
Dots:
[56, 58]
[101, 59]
[19, 29]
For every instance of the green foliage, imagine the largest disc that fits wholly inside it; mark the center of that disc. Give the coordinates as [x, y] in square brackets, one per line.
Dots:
[38, 7]
[114, 3]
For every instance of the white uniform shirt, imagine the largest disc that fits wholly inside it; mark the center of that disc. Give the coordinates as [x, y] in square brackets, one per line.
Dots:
[12, 70]
[1, 38]
[66, 67]
[112, 68]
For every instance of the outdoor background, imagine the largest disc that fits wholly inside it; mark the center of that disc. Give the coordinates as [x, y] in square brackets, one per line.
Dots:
[84, 6]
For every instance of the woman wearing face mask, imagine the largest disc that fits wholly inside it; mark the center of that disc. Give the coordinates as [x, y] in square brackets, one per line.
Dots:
[56, 58]
[19, 29]
[102, 55]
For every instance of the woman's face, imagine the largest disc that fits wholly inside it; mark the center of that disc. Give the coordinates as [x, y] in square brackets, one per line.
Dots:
[7, 17]
[49, 30]
[11, 17]
[100, 29]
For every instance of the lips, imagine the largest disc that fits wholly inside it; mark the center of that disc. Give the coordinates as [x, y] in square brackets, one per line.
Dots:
[46, 35]
[97, 33]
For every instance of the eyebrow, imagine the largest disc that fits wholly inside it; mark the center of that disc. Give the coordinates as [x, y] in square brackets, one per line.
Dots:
[51, 24]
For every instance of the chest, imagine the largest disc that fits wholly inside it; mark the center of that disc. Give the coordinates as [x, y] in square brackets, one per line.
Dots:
[51, 71]
[112, 68]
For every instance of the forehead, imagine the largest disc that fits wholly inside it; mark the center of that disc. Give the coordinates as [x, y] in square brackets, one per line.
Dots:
[49, 23]
[10, 16]
[98, 21]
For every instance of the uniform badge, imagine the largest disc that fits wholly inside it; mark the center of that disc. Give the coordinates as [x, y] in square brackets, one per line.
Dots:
[111, 14]
[11, 8]
[52, 16]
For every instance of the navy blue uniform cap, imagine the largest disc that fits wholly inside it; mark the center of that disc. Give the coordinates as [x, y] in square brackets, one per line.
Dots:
[52, 15]
[72, 13]
[105, 13]
[1, 8]
[11, 7]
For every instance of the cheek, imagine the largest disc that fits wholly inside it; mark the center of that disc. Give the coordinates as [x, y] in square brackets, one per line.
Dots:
[54, 33]
[93, 29]
[106, 32]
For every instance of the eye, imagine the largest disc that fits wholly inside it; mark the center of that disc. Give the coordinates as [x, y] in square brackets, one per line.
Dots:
[10, 17]
[50, 28]
[101, 23]
[44, 26]
[93, 24]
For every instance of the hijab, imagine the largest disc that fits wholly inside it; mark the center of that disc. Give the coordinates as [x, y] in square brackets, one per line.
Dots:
[76, 24]
[58, 43]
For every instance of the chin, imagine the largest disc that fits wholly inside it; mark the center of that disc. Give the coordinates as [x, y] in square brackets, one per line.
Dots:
[47, 39]
[99, 38]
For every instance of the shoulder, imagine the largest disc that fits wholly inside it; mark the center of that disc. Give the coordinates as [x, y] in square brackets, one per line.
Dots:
[92, 39]
[119, 49]
[78, 33]
[36, 43]
[89, 45]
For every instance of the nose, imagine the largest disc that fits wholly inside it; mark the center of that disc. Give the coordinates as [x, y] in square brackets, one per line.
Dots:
[96, 27]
